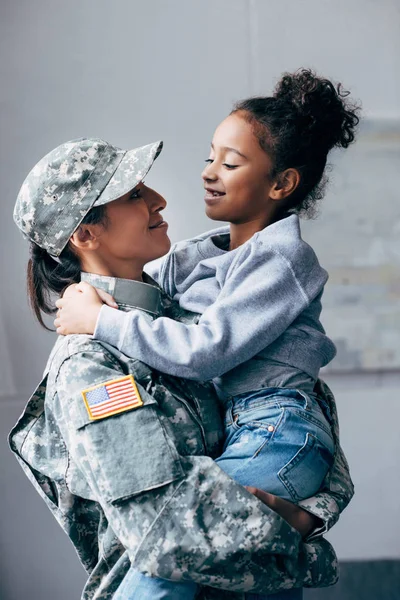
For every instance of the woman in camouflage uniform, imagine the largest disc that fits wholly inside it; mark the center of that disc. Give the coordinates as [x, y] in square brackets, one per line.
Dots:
[123, 455]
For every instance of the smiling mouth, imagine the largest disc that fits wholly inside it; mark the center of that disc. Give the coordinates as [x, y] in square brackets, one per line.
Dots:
[159, 225]
[212, 195]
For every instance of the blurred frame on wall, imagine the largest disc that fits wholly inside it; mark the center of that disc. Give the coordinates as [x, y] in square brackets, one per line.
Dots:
[357, 236]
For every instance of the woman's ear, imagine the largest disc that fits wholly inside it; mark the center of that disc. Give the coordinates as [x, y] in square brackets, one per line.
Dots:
[86, 237]
[285, 184]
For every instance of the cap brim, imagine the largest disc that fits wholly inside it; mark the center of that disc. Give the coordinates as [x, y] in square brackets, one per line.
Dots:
[132, 169]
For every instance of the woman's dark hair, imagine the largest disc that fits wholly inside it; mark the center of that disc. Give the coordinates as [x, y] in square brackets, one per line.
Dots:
[305, 118]
[47, 276]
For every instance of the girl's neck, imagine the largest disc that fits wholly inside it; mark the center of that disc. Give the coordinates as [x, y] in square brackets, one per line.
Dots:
[241, 233]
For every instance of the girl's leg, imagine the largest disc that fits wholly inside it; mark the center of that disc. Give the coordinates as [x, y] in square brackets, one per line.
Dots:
[279, 441]
[137, 586]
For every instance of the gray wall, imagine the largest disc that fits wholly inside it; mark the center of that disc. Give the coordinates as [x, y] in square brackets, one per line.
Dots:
[133, 72]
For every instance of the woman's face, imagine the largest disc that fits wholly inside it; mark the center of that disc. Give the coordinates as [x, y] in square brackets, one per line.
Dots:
[236, 178]
[135, 229]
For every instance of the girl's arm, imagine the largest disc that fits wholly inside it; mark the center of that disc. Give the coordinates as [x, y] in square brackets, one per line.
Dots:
[261, 297]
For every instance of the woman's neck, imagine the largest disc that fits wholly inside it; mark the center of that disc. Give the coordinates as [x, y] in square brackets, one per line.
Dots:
[113, 268]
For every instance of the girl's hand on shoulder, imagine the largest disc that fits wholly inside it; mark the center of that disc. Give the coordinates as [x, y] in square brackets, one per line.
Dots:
[79, 308]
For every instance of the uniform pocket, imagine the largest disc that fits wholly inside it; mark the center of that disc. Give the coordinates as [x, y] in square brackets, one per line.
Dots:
[129, 453]
[304, 473]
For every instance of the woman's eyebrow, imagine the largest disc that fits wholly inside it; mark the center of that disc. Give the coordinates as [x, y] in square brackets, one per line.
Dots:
[229, 149]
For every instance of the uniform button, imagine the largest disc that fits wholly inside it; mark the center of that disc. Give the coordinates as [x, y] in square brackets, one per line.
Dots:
[271, 428]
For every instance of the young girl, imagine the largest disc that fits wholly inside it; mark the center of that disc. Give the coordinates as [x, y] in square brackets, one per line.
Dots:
[256, 285]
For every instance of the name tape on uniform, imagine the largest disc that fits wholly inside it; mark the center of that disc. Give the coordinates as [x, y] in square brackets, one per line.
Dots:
[112, 397]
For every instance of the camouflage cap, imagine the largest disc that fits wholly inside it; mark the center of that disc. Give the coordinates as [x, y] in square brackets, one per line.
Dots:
[71, 179]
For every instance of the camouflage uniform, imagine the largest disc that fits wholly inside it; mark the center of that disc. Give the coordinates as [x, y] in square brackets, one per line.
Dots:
[140, 486]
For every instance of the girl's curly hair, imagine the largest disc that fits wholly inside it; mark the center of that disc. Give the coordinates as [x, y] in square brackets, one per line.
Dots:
[297, 126]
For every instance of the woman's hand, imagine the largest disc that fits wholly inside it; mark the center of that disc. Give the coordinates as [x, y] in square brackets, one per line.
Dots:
[298, 518]
[79, 308]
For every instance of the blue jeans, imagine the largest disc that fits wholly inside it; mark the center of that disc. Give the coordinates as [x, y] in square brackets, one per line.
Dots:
[276, 439]
[137, 586]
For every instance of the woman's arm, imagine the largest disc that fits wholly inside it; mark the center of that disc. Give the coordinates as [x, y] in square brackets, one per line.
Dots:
[179, 517]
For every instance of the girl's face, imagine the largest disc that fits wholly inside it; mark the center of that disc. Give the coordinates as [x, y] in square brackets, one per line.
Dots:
[236, 178]
[135, 230]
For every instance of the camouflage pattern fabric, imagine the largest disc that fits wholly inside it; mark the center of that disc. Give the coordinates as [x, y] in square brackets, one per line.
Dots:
[66, 183]
[139, 487]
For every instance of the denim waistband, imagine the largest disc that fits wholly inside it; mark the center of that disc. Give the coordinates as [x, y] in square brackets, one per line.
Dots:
[264, 396]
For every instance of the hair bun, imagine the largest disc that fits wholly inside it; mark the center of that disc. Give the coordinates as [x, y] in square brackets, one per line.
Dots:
[322, 109]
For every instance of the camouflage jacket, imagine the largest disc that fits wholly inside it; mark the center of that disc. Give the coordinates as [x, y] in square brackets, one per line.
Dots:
[141, 487]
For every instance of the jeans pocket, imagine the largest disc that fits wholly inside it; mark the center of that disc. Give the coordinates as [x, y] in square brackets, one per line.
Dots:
[303, 475]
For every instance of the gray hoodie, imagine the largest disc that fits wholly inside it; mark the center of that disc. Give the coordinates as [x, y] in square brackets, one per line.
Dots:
[259, 309]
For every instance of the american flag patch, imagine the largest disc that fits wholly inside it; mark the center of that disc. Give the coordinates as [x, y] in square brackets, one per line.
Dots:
[112, 397]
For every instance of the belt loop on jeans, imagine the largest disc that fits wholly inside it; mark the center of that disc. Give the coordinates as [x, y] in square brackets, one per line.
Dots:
[306, 397]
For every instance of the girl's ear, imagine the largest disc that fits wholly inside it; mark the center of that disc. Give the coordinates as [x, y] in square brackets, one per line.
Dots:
[285, 184]
[86, 237]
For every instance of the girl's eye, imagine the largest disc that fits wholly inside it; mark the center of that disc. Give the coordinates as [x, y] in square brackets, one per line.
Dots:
[210, 160]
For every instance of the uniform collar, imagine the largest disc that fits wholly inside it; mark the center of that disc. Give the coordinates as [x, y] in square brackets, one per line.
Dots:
[129, 294]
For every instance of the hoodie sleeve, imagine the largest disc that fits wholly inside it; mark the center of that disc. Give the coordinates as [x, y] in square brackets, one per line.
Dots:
[262, 295]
